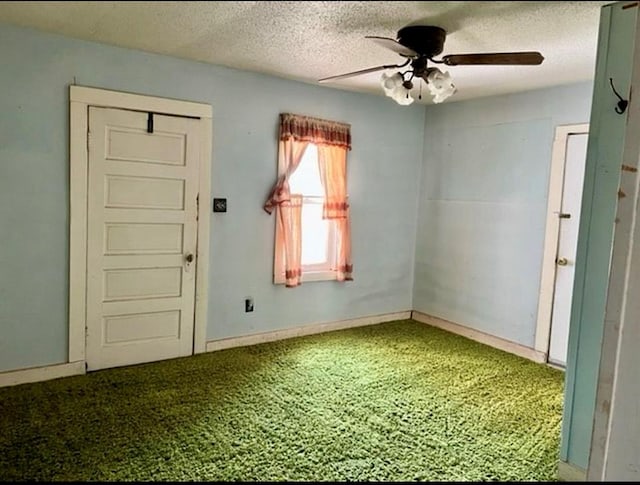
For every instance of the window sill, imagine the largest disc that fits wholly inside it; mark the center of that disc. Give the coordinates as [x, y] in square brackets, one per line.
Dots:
[311, 276]
[318, 276]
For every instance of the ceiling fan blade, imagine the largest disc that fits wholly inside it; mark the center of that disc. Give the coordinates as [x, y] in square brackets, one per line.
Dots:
[502, 58]
[357, 73]
[394, 45]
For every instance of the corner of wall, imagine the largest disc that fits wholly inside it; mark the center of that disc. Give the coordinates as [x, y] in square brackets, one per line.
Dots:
[421, 170]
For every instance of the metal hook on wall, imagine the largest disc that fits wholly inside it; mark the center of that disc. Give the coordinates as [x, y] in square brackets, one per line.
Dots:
[623, 103]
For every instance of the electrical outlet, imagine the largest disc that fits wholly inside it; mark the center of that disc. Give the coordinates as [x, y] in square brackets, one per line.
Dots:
[248, 305]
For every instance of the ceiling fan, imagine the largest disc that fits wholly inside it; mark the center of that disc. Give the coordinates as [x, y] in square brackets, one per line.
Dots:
[419, 44]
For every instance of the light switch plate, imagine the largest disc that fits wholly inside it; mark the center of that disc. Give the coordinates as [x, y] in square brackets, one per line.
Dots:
[219, 205]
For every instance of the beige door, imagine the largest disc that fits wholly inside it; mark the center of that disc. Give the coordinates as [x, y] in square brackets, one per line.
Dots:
[141, 237]
[575, 161]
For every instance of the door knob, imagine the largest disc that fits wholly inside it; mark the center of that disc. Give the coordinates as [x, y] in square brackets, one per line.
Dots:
[189, 258]
[562, 261]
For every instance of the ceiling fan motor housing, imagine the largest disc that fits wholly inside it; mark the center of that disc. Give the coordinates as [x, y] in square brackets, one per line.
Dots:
[426, 40]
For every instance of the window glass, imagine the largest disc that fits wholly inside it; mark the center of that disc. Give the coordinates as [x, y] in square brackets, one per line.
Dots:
[306, 179]
[315, 234]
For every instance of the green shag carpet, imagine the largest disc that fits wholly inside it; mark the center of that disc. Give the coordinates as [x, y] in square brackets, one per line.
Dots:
[398, 401]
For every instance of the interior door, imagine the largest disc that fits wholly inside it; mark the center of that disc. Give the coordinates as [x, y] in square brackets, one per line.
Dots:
[575, 157]
[141, 237]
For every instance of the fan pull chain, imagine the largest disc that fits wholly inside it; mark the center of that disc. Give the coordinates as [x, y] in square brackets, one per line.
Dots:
[420, 94]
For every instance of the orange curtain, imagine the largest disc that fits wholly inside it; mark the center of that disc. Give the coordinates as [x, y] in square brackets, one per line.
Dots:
[290, 153]
[332, 160]
[289, 240]
[288, 212]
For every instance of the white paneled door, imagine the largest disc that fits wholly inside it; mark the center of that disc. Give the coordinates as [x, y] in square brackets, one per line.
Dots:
[575, 157]
[141, 236]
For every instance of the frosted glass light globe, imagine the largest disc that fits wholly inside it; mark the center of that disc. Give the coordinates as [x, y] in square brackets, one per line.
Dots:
[390, 82]
[440, 85]
[403, 96]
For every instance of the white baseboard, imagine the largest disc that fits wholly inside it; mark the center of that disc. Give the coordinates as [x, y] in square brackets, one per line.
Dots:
[485, 338]
[300, 331]
[35, 374]
[570, 473]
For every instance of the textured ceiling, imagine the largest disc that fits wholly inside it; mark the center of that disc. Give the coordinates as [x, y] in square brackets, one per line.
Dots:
[307, 41]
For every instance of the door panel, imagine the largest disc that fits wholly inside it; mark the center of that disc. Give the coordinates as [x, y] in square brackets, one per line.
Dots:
[132, 284]
[575, 160]
[144, 192]
[142, 326]
[130, 238]
[142, 222]
[133, 145]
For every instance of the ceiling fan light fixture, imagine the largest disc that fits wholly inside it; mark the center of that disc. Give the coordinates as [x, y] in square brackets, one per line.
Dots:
[402, 96]
[390, 82]
[395, 87]
[440, 85]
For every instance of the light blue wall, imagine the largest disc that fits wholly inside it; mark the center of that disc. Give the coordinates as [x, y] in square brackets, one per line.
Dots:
[483, 207]
[595, 239]
[384, 166]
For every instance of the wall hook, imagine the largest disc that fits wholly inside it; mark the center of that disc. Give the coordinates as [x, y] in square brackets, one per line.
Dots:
[623, 103]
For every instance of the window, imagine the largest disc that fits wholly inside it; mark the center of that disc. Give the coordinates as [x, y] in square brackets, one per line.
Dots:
[318, 234]
[312, 240]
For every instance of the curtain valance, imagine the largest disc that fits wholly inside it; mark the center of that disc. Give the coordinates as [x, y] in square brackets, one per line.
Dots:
[315, 130]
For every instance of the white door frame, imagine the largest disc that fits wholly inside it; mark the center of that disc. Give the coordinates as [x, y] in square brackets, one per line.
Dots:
[80, 98]
[552, 231]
